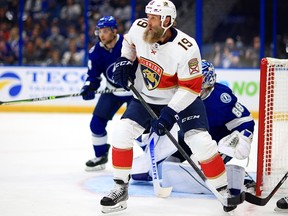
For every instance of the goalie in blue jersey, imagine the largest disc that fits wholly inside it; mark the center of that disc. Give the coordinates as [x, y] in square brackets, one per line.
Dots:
[101, 62]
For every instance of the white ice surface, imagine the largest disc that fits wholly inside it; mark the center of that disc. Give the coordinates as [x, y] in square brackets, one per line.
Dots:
[42, 159]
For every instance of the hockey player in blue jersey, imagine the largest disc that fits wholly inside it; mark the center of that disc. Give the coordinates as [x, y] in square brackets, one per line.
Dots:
[101, 61]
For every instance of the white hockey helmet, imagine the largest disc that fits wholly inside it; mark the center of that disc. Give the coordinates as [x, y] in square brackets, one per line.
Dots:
[164, 8]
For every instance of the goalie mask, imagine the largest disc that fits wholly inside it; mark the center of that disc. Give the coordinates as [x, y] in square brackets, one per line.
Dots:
[163, 8]
[209, 75]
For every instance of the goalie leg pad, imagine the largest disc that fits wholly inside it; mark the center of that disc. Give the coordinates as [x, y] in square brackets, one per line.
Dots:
[235, 176]
[163, 148]
[183, 178]
[141, 165]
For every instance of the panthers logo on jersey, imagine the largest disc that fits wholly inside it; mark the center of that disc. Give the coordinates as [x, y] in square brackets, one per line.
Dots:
[151, 72]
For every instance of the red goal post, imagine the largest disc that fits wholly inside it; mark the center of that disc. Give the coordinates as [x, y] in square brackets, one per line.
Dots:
[272, 161]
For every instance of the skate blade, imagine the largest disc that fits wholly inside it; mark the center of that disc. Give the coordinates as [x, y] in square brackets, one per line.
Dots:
[96, 168]
[280, 210]
[229, 208]
[116, 208]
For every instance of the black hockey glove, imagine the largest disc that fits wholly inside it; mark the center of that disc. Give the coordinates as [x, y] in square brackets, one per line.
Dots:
[167, 119]
[89, 88]
[124, 72]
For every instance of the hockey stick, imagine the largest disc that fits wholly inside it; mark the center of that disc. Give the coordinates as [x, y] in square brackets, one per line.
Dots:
[225, 201]
[263, 201]
[158, 190]
[105, 91]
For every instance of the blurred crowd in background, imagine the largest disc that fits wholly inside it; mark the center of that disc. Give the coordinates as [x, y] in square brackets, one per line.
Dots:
[54, 31]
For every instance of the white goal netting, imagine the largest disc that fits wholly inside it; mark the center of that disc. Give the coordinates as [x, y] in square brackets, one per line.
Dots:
[273, 125]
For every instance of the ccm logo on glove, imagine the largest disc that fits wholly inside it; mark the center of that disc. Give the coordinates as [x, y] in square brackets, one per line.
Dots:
[122, 63]
[123, 72]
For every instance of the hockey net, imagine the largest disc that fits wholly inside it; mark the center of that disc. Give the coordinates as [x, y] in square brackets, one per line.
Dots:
[272, 161]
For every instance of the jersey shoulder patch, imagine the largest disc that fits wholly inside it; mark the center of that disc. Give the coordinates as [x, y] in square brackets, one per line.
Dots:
[224, 93]
[225, 97]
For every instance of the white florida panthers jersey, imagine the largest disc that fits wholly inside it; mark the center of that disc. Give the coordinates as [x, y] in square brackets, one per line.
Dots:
[168, 73]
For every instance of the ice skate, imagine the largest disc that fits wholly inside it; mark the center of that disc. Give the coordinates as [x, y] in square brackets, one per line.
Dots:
[224, 191]
[98, 163]
[282, 205]
[116, 199]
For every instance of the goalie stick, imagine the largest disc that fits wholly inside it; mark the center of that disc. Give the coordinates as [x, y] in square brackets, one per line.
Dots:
[105, 91]
[224, 201]
[158, 190]
[263, 201]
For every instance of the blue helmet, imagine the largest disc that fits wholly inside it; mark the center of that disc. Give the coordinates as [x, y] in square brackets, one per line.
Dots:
[107, 21]
[209, 75]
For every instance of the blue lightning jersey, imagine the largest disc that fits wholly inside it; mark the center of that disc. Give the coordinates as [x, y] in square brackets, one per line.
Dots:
[225, 114]
[102, 60]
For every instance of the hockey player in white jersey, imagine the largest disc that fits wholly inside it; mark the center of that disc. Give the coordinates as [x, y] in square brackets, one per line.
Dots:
[169, 79]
